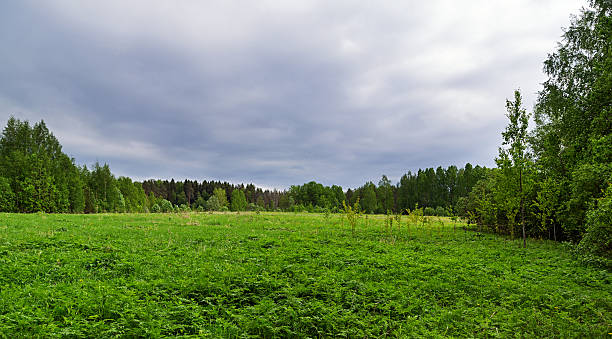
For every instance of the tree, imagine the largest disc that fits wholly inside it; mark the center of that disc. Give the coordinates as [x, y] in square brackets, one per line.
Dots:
[200, 202]
[189, 191]
[597, 241]
[368, 198]
[385, 195]
[572, 140]
[103, 187]
[7, 197]
[545, 201]
[76, 190]
[239, 202]
[213, 203]
[41, 177]
[221, 197]
[513, 158]
[260, 202]
[285, 202]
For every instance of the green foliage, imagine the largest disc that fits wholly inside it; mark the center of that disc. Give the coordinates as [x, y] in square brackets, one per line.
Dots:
[286, 202]
[596, 245]
[572, 139]
[135, 199]
[368, 199]
[221, 196]
[7, 197]
[429, 211]
[200, 202]
[389, 217]
[165, 206]
[416, 216]
[239, 202]
[261, 203]
[441, 212]
[513, 160]
[32, 160]
[550, 193]
[213, 204]
[285, 275]
[316, 195]
[352, 214]
[398, 219]
[544, 203]
[439, 187]
[588, 181]
[384, 194]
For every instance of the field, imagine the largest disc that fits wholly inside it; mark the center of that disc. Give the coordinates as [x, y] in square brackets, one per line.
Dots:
[287, 275]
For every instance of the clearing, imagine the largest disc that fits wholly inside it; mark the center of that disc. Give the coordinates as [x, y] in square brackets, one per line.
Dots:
[285, 274]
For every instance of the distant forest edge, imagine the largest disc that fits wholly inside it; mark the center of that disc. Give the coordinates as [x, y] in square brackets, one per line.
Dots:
[551, 181]
[36, 176]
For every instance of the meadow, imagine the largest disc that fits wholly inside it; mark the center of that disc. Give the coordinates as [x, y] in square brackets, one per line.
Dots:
[287, 275]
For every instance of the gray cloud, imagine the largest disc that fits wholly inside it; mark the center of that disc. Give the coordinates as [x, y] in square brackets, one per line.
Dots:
[275, 93]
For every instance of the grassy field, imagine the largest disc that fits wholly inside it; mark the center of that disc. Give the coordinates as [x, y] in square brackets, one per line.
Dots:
[286, 275]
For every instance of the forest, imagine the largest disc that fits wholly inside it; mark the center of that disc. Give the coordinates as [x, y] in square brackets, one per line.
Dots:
[552, 180]
[38, 177]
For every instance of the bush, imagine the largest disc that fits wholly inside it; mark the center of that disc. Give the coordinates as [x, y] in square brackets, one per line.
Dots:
[441, 212]
[428, 211]
[155, 209]
[166, 206]
[596, 245]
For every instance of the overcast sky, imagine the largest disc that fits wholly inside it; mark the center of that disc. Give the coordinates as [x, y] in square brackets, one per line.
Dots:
[275, 92]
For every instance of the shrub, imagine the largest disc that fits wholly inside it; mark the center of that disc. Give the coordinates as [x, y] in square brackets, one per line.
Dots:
[441, 212]
[352, 214]
[429, 211]
[596, 245]
[166, 206]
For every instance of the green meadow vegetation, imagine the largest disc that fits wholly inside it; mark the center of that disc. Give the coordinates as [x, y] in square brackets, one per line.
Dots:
[288, 275]
[520, 250]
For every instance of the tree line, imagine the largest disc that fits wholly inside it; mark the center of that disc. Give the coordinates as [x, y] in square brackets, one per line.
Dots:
[36, 176]
[438, 191]
[553, 180]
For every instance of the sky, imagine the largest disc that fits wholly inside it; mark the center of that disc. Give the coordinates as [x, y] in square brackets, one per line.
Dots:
[275, 93]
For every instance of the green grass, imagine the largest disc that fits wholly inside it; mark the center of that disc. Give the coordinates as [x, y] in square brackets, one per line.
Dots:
[286, 275]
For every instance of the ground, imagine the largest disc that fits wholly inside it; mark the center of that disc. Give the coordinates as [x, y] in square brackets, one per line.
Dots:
[287, 275]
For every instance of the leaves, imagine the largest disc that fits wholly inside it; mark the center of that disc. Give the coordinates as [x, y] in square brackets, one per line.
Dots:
[285, 274]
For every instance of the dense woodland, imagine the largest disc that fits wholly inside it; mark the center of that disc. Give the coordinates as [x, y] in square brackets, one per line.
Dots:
[552, 179]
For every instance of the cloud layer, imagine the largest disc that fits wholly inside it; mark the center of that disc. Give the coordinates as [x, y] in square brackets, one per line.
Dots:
[274, 92]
